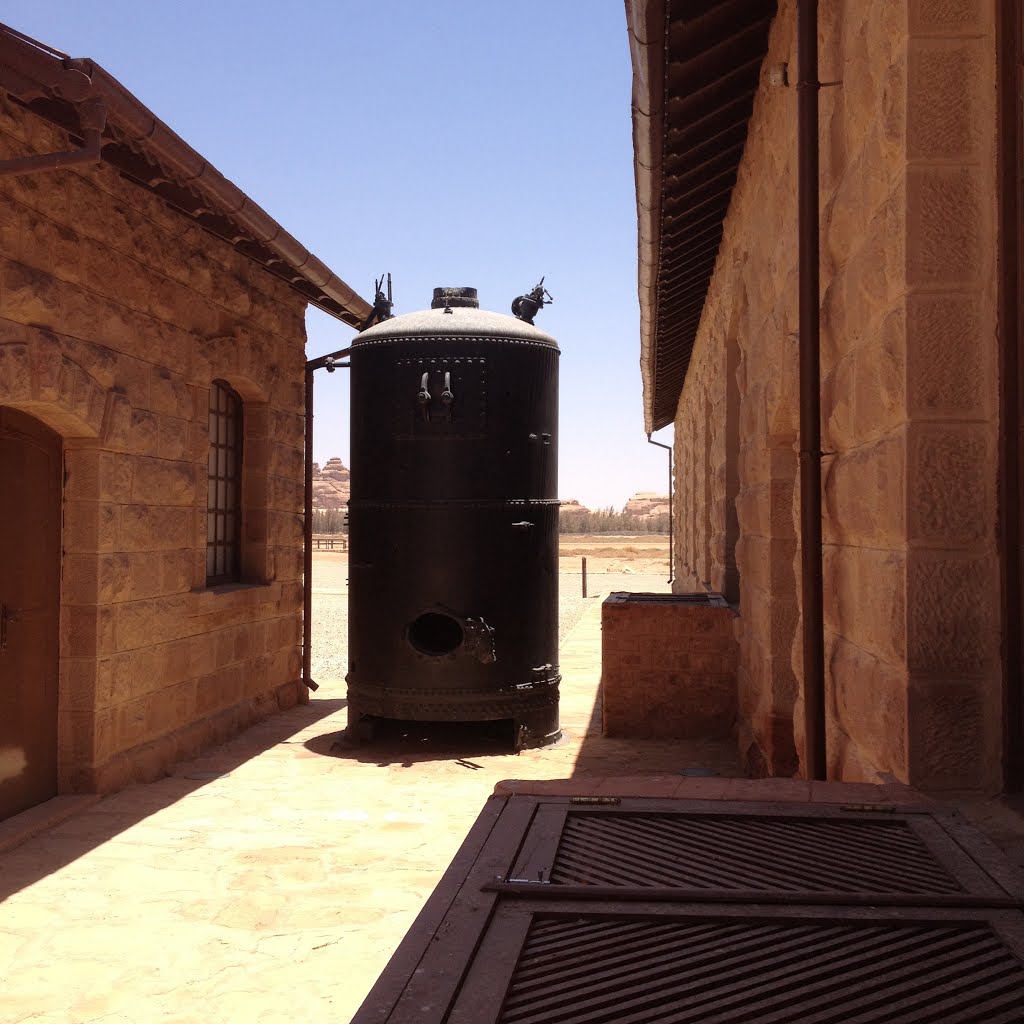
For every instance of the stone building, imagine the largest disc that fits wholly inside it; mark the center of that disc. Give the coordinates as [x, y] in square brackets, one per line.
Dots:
[151, 438]
[919, 198]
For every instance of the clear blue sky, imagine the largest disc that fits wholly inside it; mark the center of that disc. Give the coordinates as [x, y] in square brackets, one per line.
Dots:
[460, 142]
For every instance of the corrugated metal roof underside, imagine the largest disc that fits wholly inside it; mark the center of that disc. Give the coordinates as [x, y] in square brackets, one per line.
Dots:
[714, 53]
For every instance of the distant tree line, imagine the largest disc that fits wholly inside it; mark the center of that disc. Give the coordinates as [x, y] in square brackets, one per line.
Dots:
[607, 520]
[330, 520]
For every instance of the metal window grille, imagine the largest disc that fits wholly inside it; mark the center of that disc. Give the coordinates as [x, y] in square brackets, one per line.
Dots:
[224, 479]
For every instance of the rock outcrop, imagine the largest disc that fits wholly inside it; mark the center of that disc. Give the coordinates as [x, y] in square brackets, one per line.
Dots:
[571, 507]
[645, 504]
[331, 485]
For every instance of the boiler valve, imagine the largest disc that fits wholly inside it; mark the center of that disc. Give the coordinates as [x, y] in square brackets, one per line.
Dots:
[527, 306]
[423, 397]
[447, 398]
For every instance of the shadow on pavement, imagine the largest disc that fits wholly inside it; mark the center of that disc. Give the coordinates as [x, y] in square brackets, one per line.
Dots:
[407, 743]
[54, 848]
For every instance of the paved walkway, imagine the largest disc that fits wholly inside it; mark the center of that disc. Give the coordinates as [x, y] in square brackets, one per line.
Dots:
[272, 879]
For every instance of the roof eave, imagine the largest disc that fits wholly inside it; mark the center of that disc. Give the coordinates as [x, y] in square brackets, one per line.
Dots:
[36, 66]
[696, 73]
[647, 39]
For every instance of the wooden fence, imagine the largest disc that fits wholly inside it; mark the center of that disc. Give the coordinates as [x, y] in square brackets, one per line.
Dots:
[338, 542]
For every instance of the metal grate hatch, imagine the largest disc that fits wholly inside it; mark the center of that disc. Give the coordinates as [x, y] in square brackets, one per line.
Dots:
[711, 912]
[773, 854]
[606, 969]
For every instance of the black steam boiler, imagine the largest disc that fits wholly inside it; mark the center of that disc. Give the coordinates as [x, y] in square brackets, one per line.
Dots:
[453, 519]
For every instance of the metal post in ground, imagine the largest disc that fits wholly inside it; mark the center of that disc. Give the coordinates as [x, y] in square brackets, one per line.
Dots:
[584, 575]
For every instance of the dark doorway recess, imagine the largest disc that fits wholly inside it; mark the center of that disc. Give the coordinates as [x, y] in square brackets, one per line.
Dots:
[30, 516]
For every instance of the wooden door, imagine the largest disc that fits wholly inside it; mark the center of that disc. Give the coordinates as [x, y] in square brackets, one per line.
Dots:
[30, 516]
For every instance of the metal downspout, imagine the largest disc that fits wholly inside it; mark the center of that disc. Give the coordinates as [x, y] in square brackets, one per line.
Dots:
[671, 510]
[1010, 377]
[307, 521]
[307, 544]
[815, 764]
[93, 118]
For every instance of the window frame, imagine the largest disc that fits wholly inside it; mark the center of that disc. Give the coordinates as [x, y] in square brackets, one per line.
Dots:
[224, 494]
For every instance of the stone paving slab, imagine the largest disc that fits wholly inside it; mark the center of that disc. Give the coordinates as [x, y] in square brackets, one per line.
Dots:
[271, 879]
[14, 831]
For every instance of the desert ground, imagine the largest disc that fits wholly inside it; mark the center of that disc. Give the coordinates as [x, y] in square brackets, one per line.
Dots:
[645, 553]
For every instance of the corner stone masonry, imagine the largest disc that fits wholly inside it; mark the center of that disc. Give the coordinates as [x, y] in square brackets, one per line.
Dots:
[909, 362]
[668, 666]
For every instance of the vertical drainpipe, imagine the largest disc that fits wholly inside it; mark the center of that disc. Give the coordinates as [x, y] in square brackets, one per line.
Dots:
[671, 511]
[307, 546]
[330, 363]
[1010, 384]
[811, 584]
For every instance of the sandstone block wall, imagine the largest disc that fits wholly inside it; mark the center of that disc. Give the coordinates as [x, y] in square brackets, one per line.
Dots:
[954, 699]
[668, 670]
[116, 313]
[908, 401]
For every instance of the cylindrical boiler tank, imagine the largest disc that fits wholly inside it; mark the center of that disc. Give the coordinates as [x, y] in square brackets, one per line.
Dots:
[453, 520]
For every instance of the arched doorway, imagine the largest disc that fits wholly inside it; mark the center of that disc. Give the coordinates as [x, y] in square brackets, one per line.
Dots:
[30, 523]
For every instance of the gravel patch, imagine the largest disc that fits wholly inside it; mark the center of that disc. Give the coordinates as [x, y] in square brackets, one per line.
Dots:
[330, 618]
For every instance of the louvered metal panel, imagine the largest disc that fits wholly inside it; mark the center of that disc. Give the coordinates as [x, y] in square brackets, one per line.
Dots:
[585, 970]
[749, 848]
[570, 911]
[721, 852]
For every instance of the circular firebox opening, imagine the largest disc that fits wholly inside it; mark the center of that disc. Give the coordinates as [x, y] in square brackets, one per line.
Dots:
[435, 634]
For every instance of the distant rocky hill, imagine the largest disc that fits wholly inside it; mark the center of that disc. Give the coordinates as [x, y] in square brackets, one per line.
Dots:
[570, 506]
[331, 485]
[645, 504]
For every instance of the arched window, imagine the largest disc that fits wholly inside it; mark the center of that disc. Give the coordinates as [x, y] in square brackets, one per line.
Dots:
[224, 486]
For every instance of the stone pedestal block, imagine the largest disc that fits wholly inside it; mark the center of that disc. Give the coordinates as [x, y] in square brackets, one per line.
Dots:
[668, 666]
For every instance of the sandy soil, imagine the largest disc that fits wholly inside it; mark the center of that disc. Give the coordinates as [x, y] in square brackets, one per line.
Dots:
[614, 553]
